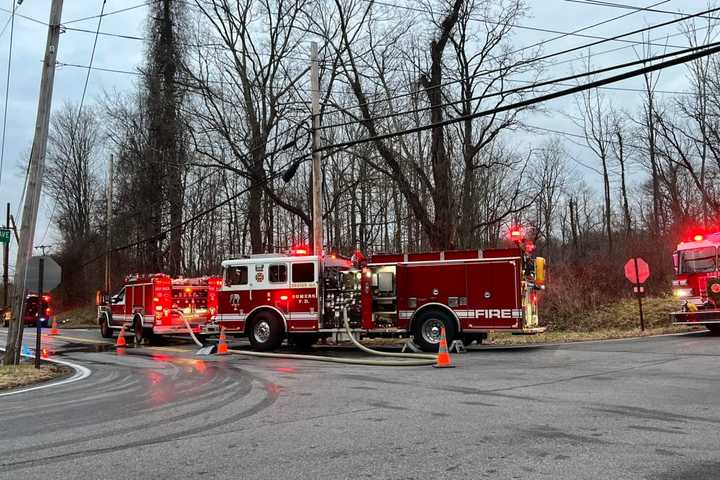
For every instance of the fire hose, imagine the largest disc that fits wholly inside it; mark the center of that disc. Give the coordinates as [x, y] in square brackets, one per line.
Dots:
[412, 359]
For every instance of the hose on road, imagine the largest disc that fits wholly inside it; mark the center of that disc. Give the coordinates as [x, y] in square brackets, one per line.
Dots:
[412, 359]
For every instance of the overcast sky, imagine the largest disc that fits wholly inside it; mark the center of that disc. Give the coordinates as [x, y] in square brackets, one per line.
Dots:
[125, 54]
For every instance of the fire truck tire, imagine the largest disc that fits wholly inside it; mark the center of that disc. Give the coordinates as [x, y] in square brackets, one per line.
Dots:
[105, 330]
[266, 332]
[714, 328]
[138, 330]
[426, 329]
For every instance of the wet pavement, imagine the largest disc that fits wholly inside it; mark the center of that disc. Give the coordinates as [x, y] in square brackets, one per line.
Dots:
[645, 408]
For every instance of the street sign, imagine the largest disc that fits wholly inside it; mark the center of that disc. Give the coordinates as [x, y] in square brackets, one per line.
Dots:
[638, 272]
[5, 235]
[52, 274]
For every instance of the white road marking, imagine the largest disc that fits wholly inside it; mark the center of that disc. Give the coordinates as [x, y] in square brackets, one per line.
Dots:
[81, 373]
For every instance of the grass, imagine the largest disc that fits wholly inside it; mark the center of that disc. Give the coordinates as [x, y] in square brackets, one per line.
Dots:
[82, 317]
[24, 374]
[612, 321]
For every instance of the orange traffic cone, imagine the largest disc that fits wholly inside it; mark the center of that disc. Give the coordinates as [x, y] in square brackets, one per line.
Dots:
[443, 358]
[222, 348]
[121, 342]
[54, 330]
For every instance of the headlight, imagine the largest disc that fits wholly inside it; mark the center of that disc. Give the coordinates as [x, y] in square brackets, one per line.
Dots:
[682, 292]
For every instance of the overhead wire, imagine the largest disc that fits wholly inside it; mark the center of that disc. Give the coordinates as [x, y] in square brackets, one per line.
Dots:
[82, 102]
[531, 86]
[542, 98]
[531, 61]
[7, 89]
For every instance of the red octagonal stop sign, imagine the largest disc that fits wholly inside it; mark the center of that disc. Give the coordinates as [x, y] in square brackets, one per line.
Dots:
[637, 270]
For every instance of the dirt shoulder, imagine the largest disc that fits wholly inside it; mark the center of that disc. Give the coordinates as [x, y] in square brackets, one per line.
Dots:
[26, 374]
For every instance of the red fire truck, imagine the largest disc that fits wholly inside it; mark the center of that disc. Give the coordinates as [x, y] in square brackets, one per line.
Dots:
[159, 305]
[272, 297]
[697, 281]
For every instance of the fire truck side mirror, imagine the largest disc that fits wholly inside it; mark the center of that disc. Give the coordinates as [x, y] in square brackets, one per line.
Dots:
[540, 271]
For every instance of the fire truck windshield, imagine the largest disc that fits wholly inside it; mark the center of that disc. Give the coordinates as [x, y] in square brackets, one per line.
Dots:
[698, 260]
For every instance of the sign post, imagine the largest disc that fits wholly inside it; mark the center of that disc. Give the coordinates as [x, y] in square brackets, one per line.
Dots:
[637, 272]
[5, 235]
[43, 273]
[38, 326]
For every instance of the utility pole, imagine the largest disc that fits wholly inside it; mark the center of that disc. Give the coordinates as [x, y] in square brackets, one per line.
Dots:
[317, 184]
[34, 188]
[6, 255]
[108, 238]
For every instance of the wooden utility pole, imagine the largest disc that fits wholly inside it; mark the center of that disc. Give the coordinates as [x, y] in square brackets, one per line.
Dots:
[6, 255]
[316, 160]
[34, 188]
[108, 238]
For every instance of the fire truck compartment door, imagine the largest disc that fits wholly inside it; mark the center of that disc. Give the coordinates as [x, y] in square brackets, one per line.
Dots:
[494, 294]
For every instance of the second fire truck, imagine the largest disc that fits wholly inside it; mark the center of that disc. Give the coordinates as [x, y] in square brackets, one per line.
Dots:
[697, 281]
[150, 305]
[269, 298]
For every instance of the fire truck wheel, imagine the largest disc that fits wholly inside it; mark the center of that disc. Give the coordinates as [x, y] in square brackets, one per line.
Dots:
[426, 329]
[138, 330]
[714, 328]
[105, 330]
[266, 332]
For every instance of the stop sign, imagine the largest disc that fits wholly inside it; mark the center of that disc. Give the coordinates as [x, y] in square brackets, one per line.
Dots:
[637, 270]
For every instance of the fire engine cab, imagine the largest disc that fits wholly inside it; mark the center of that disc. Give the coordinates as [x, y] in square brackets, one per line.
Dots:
[159, 305]
[272, 297]
[697, 281]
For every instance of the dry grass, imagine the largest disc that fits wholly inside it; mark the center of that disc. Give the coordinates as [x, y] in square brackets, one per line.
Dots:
[617, 320]
[24, 374]
[82, 317]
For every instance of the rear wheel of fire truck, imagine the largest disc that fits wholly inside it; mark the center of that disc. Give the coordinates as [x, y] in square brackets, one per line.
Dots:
[266, 331]
[105, 330]
[138, 330]
[714, 328]
[426, 329]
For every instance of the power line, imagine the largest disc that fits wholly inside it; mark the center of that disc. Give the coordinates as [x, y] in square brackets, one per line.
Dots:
[599, 3]
[540, 99]
[534, 60]
[122, 10]
[532, 85]
[92, 58]
[7, 89]
[82, 103]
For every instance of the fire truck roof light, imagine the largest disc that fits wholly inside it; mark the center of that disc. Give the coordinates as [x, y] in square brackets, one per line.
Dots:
[698, 238]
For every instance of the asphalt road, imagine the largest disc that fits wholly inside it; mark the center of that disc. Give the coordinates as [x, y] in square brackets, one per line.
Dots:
[631, 409]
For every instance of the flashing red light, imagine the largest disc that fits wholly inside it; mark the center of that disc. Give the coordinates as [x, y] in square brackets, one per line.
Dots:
[188, 290]
[698, 238]
[158, 308]
[283, 298]
[46, 298]
[516, 233]
[529, 247]
[300, 251]
[48, 311]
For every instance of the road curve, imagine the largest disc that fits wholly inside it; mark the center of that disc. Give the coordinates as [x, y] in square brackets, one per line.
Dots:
[633, 409]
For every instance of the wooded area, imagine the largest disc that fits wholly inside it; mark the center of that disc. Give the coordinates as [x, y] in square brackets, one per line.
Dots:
[221, 110]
